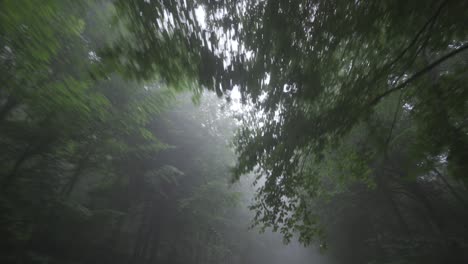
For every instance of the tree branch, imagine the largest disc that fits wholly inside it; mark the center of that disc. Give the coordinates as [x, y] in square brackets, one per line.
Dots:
[431, 21]
[419, 74]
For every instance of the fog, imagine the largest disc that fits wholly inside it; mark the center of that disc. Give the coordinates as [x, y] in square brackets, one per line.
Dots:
[233, 132]
[219, 120]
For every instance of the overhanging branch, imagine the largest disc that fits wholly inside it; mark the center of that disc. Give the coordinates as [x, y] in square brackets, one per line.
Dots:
[419, 74]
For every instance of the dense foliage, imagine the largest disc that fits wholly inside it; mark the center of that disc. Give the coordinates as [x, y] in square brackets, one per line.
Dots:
[356, 100]
[83, 179]
[355, 127]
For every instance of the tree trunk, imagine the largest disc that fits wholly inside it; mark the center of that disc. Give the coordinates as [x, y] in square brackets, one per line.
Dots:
[452, 191]
[394, 207]
[68, 188]
[426, 203]
[7, 107]
[27, 153]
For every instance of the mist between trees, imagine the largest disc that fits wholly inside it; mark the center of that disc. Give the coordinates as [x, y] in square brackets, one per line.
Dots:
[237, 132]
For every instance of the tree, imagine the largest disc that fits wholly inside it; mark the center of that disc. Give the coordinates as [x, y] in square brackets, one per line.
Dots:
[69, 116]
[316, 71]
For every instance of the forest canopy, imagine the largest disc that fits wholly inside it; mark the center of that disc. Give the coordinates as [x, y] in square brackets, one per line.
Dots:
[353, 126]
